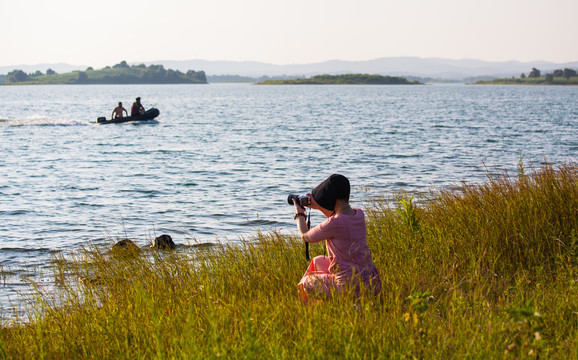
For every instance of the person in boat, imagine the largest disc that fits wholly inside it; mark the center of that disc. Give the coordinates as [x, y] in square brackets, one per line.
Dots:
[118, 111]
[349, 265]
[137, 108]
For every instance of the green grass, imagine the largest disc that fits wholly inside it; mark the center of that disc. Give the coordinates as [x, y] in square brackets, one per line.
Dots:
[488, 271]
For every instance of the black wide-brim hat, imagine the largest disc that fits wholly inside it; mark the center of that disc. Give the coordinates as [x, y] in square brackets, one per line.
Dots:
[334, 187]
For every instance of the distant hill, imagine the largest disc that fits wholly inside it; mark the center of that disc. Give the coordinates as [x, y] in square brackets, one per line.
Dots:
[121, 73]
[409, 67]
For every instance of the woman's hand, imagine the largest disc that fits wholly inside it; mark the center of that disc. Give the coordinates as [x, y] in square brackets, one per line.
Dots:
[312, 204]
[298, 208]
[301, 223]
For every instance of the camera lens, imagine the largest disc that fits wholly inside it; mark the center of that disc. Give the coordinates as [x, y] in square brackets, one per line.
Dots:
[301, 200]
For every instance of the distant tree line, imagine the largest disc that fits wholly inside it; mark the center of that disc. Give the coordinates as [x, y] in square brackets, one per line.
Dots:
[20, 76]
[121, 73]
[557, 77]
[565, 73]
[345, 79]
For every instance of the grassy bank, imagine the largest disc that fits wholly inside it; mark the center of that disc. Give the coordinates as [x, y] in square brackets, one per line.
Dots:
[486, 271]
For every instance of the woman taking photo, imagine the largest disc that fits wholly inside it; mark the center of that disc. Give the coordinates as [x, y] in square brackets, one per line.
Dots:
[349, 264]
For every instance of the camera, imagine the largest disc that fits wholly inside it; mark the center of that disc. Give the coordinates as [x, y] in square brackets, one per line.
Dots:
[301, 200]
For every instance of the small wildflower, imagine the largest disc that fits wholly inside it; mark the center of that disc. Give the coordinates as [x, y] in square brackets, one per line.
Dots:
[406, 317]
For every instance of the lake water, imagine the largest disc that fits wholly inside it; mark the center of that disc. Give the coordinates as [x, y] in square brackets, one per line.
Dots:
[221, 159]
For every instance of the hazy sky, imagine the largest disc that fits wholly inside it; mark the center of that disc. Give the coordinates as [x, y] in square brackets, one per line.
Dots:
[104, 32]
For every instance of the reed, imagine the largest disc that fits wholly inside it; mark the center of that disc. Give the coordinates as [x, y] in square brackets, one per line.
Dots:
[485, 271]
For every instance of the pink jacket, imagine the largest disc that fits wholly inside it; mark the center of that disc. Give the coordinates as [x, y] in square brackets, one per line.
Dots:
[347, 248]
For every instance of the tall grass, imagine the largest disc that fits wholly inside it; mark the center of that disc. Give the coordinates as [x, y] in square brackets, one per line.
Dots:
[488, 271]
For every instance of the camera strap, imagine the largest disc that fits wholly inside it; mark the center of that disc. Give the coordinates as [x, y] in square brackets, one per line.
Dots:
[307, 256]
[306, 243]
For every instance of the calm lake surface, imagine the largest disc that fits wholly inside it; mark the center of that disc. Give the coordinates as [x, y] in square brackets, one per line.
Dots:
[221, 159]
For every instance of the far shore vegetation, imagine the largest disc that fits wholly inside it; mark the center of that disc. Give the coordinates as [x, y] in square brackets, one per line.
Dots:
[345, 79]
[535, 77]
[121, 73]
[487, 271]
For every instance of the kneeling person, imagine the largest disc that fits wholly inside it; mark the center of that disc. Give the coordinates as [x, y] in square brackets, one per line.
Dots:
[349, 264]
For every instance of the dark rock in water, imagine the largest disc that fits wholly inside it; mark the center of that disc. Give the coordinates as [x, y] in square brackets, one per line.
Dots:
[126, 244]
[125, 248]
[164, 242]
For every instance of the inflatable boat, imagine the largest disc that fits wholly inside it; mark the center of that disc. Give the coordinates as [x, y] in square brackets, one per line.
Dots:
[147, 115]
